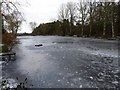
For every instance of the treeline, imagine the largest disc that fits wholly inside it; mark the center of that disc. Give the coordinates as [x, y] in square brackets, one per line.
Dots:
[24, 34]
[96, 19]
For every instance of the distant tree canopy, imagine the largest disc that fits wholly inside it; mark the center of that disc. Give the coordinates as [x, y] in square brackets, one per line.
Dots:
[97, 19]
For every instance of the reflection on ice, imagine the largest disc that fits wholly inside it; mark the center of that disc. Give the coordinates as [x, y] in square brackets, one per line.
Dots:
[58, 80]
[80, 86]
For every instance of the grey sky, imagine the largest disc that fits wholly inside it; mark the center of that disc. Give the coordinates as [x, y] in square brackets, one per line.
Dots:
[40, 11]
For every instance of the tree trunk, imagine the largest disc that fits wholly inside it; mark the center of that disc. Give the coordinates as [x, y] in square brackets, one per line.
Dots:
[104, 27]
[82, 25]
[90, 26]
[104, 30]
[0, 25]
[113, 33]
[71, 24]
[90, 20]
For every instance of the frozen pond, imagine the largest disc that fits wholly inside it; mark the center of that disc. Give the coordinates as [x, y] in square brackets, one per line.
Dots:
[64, 62]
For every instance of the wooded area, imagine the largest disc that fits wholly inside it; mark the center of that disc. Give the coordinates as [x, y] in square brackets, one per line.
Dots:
[90, 19]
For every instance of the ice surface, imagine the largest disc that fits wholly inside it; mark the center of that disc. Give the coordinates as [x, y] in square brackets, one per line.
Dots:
[70, 62]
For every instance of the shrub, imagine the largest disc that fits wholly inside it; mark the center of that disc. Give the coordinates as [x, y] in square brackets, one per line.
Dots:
[5, 48]
[7, 38]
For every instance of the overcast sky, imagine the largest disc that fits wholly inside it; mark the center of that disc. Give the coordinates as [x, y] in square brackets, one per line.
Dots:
[40, 11]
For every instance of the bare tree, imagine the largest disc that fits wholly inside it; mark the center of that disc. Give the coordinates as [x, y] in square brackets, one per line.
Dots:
[63, 13]
[91, 9]
[113, 16]
[0, 23]
[13, 22]
[82, 10]
[71, 9]
[105, 17]
[11, 16]
[33, 25]
[67, 12]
